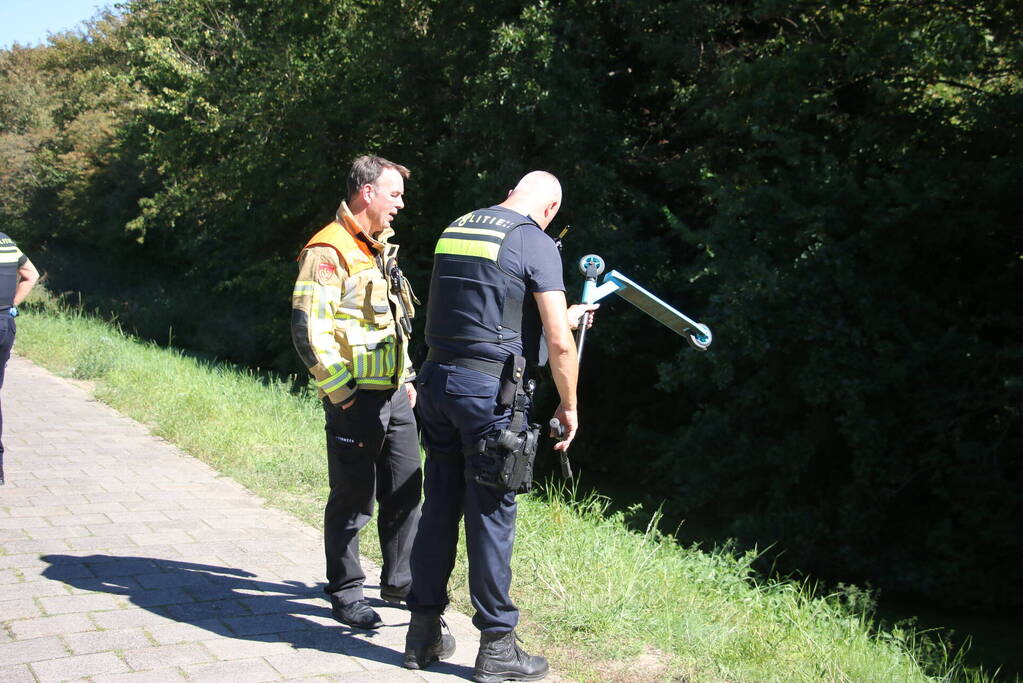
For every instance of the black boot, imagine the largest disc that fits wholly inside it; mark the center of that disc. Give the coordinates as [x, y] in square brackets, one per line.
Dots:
[427, 641]
[501, 659]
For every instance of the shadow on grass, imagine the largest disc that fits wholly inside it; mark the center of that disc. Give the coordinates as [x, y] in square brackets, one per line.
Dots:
[229, 602]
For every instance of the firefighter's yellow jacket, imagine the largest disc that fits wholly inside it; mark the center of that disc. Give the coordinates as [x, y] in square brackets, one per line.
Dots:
[345, 317]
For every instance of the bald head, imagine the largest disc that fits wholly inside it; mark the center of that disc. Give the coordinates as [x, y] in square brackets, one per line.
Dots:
[537, 195]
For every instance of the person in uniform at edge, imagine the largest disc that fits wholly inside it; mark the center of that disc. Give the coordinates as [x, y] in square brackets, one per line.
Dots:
[350, 326]
[17, 278]
[497, 290]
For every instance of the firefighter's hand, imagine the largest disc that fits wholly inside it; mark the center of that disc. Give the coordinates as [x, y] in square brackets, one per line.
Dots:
[411, 391]
[570, 422]
[576, 312]
[346, 406]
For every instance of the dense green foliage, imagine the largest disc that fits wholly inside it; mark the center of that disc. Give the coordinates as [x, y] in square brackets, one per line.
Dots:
[830, 186]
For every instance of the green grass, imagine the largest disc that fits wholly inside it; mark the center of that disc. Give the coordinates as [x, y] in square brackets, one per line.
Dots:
[604, 602]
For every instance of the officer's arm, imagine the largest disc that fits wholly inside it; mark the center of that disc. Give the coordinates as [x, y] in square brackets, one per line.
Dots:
[563, 358]
[27, 278]
[317, 294]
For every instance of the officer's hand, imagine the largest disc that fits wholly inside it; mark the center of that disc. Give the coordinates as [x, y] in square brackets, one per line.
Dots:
[576, 311]
[411, 391]
[570, 421]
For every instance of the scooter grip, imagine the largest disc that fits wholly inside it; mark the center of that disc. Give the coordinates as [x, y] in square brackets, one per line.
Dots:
[558, 432]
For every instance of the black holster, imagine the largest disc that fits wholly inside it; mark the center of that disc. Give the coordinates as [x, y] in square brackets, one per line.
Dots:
[511, 451]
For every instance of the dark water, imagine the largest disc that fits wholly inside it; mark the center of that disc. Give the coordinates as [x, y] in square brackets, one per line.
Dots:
[993, 642]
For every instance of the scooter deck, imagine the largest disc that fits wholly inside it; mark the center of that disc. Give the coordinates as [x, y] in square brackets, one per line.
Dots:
[656, 308]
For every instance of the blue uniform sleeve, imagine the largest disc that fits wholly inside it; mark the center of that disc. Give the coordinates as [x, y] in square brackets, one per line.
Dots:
[539, 257]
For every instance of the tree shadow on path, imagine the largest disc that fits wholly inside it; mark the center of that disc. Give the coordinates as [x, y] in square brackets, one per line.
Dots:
[229, 602]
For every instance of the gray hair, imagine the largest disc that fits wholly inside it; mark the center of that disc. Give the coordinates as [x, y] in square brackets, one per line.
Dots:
[367, 169]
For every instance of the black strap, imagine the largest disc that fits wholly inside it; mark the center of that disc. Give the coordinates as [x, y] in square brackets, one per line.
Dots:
[493, 368]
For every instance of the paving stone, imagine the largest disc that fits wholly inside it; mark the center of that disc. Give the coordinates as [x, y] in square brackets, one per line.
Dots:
[167, 656]
[38, 511]
[301, 664]
[69, 668]
[238, 671]
[23, 522]
[132, 516]
[33, 546]
[25, 629]
[267, 623]
[16, 674]
[100, 506]
[210, 609]
[19, 609]
[118, 529]
[171, 580]
[225, 649]
[22, 561]
[155, 676]
[79, 520]
[104, 641]
[31, 589]
[42, 532]
[37, 649]
[65, 604]
[406, 676]
[130, 618]
[149, 538]
[14, 535]
[161, 597]
[112, 566]
[170, 633]
[97, 542]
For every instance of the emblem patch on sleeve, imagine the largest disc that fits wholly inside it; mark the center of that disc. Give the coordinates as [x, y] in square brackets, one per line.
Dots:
[326, 273]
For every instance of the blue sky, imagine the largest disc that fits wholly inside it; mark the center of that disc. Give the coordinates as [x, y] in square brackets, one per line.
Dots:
[28, 21]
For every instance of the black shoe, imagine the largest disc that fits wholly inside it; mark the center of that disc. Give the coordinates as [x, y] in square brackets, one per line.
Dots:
[501, 659]
[393, 594]
[358, 614]
[427, 641]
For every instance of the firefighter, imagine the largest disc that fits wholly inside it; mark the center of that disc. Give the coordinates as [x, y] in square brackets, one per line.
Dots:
[351, 312]
[17, 278]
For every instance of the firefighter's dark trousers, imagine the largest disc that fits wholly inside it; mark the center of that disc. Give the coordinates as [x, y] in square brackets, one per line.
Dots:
[372, 454]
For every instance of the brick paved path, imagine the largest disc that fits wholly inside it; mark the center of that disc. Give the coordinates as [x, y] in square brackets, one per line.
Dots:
[124, 559]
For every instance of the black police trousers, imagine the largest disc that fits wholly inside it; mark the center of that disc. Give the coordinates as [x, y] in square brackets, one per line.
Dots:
[457, 407]
[372, 454]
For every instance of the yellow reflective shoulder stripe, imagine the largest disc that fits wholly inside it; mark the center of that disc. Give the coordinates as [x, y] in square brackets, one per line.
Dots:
[10, 255]
[464, 247]
[475, 231]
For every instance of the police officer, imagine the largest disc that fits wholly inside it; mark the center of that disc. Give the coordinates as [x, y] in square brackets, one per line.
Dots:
[17, 278]
[496, 292]
[350, 325]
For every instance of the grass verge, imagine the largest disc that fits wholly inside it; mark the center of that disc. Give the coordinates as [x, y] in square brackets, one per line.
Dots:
[604, 602]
